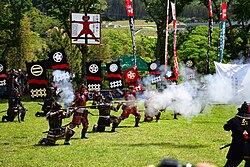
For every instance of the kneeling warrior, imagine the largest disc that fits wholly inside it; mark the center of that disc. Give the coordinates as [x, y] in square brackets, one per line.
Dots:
[129, 108]
[151, 110]
[105, 119]
[56, 130]
[49, 99]
[15, 107]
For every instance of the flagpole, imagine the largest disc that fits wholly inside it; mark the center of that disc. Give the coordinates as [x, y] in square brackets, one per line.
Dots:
[132, 29]
[210, 31]
[130, 13]
[222, 30]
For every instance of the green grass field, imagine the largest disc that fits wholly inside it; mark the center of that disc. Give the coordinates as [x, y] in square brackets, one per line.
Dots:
[188, 140]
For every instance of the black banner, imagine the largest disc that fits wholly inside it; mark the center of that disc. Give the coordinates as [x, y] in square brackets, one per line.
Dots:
[58, 60]
[94, 76]
[37, 78]
[114, 75]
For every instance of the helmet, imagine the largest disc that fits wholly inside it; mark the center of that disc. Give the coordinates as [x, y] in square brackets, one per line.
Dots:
[14, 92]
[56, 106]
[166, 162]
[108, 99]
[129, 96]
[244, 110]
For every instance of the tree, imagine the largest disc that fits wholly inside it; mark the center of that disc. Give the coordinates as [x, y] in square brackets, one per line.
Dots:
[62, 9]
[157, 12]
[237, 32]
[11, 14]
[195, 47]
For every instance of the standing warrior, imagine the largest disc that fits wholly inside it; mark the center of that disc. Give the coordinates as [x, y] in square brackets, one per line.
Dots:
[240, 146]
[129, 108]
[15, 107]
[56, 130]
[105, 119]
[81, 113]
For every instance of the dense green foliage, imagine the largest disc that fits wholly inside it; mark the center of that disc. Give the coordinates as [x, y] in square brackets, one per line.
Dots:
[195, 47]
[30, 32]
[188, 140]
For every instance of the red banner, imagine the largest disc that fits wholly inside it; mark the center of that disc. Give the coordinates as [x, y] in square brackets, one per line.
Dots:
[176, 66]
[210, 8]
[129, 7]
[131, 74]
[223, 11]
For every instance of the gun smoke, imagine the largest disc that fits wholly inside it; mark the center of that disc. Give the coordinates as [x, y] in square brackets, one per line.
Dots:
[63, 80]
[190, 97]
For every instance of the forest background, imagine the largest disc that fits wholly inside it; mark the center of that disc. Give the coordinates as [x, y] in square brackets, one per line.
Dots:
[30, 29]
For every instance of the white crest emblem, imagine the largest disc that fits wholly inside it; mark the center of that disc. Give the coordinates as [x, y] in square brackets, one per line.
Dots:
[93, 68]
[153, 66]
[113, 67]
[57, 57]
[1, 67]
[189, 63]
[131, 75]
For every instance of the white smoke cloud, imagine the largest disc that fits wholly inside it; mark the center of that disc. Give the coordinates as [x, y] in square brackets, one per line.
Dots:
[63, 82]
[190, 97]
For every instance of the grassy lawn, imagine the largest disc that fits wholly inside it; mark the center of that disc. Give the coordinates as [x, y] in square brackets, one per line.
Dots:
[188, 140]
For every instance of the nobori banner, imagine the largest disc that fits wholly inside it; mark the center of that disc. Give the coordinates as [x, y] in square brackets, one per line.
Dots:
[85, 28]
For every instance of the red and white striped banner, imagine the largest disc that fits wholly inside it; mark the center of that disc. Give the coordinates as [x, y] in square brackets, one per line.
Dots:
[129, 7]
[176, 67]
[130, 12]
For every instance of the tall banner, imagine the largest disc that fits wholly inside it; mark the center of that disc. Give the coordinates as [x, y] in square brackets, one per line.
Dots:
[236, 77]
[166, 41]
[114, 75]
[210, 31]
[176, 67]
[3, 79]
[154, 72]
[37, 79]
[222, 29]
[94, 76]
[130, 13]
[85, 28]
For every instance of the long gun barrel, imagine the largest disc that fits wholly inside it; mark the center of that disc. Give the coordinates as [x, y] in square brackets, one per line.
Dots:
[225, 146]
[92, 106]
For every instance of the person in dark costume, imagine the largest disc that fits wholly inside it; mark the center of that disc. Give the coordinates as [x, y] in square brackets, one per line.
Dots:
[12, 81]
[97, 98]
[56, 130]
[240, 146]
[15, 107]
[80, 113]
[105, 119]
[129, 108]
[49, 99]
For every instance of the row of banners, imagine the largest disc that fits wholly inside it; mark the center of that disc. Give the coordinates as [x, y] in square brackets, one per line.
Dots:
[57, 60]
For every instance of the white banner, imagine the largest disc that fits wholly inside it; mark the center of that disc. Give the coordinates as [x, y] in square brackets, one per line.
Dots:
[85, 28]
[235, 80]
